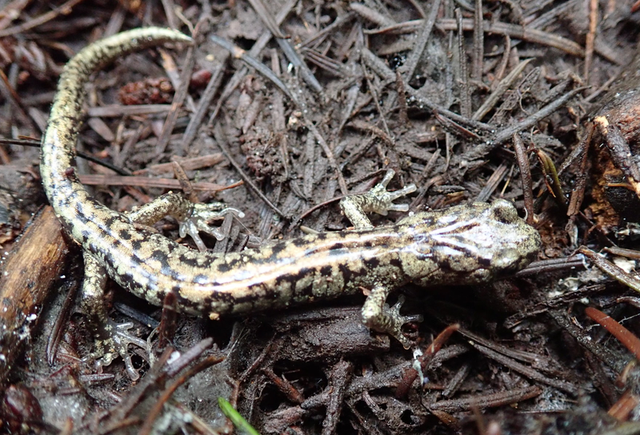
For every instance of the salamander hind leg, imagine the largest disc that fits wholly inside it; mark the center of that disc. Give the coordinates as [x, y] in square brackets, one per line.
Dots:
[377, 315]
[110, 339]
[377, 200]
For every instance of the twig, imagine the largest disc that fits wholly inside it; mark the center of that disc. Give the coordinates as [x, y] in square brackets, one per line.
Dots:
[203, 105]
[409, 67]
[22, 28]
[525, 177]
[222, 143]
[178, 100]
[478, 42]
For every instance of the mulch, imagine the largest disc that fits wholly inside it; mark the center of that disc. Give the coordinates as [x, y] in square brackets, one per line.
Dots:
[282, 108]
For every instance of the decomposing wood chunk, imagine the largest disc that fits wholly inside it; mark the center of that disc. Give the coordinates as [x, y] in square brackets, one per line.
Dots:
[617, 122]
[30, 269]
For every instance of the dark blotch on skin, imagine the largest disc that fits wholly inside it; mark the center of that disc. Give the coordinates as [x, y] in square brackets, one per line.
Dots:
[326, 271]
[372, 263]
[170, 248]
[214, 297]
[127, 278]
[85, 235]
[282, 281]
[445, 265]
[322, 236]
[109, 221]
[270, 293]
[255, 293]
[188, 260]
[277, 249]
[337, 248]
[108, 259]
[124, 234]
[81, 216]
[366, 244]
[299, 242]
[395, 262]
[234, 263]
[345, 271]
[223, 267]
[161, 257]
[303, 273]
[484, 262]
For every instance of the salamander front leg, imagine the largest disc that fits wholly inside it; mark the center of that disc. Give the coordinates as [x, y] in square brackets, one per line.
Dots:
[193, 218]
[200, 218]
[377, 315]
[111, 339]
[377, 200]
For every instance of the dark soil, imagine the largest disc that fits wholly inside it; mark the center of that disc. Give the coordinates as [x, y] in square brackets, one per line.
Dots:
[538, 108]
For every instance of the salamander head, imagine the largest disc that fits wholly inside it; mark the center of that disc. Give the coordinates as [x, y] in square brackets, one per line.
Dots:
[475, 242]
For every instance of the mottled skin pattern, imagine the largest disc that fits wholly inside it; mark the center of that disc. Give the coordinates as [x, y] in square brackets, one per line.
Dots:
[462, 245]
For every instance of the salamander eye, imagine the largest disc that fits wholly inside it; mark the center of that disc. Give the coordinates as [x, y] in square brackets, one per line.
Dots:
[504, 211]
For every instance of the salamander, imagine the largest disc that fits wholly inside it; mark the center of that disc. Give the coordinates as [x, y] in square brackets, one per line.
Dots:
[464, 244]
